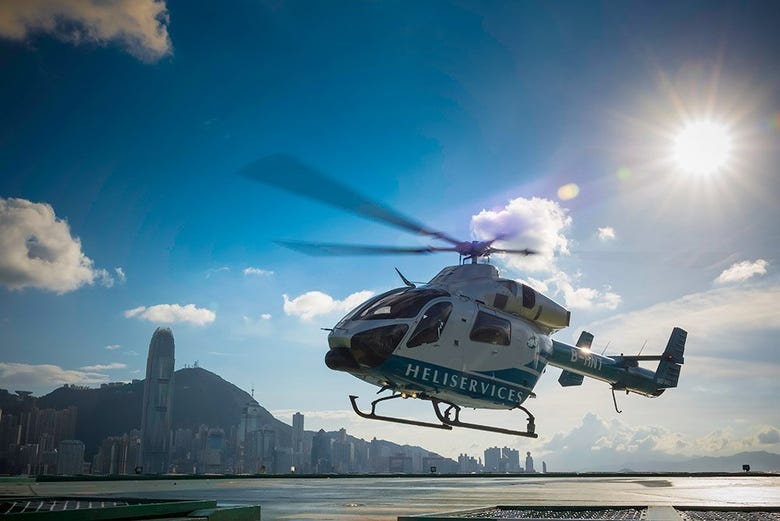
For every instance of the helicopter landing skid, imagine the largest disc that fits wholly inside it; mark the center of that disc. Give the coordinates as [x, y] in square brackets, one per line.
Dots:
[449, 418]
[373, 416]
[446, 419]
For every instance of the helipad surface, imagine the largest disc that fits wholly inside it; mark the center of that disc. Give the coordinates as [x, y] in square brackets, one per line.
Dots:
[387, 498]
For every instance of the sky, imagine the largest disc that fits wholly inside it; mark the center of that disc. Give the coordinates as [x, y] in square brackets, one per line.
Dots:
[125, 123]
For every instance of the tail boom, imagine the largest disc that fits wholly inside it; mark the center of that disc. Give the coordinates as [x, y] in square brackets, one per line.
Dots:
[621, 372]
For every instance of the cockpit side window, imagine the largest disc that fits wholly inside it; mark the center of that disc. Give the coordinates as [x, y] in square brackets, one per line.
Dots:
[400, 305]
[491, 329]
[431, 325]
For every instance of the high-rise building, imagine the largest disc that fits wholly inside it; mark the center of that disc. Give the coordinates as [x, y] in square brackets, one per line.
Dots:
[511, 458]
[297, 441]
[493, 460]
[321, 457]
[529, 462]
[158, 403]
[70, 457]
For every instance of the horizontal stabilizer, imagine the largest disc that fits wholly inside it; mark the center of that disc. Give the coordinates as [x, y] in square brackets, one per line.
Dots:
[569, 379]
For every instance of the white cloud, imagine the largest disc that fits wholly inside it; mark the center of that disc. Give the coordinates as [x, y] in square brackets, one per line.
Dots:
[336, 414]
[139, 26]
[315, 303]
[740, 271]
[541, 225]
[103, 367]
[214, 271]
[538, 224]
[112, 347]
[257, 271]
[606, 233]
[37, 250]
[770, 436]
[171, 313]
[120, 275]
[584, 298]
[601, 444]
[266, 316]
[45, 375]
[707, 315]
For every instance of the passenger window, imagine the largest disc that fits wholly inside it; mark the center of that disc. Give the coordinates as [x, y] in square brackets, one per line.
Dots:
[491, 330]
[431, 325]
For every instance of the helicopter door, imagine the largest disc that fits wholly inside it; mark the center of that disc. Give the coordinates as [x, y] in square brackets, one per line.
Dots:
[431, 326]
[489, 349]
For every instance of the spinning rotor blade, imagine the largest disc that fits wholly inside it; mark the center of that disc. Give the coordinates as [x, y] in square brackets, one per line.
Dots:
[322, 249]
[287, 173]
[524, 251]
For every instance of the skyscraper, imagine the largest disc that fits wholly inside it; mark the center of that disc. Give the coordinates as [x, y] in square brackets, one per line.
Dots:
[158, 403]
[297, 441]
[70, 457]
[529, 463]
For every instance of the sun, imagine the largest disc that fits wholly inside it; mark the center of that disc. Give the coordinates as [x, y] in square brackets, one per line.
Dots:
[703, 147]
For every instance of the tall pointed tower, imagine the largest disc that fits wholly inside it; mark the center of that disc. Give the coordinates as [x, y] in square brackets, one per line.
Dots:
[157, 413]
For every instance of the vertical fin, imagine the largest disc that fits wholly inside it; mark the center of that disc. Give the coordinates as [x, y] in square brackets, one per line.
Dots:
[668, 372]
[585, 340]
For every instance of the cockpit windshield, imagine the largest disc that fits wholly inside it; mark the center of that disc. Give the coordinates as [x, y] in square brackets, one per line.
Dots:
[406, 304]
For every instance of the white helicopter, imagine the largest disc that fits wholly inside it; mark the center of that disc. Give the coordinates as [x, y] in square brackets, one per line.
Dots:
[467, 338]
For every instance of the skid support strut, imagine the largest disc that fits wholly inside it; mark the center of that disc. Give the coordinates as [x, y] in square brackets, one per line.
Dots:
[449, 418]
[373, 416]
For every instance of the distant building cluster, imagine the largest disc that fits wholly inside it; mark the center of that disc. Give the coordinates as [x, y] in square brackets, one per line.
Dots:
[41, 441]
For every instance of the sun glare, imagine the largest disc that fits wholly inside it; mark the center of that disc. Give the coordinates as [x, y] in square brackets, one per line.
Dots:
[702, 147]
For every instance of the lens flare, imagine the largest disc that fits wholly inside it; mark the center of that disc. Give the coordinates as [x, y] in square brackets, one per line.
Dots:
[702, 147]
[568, 191]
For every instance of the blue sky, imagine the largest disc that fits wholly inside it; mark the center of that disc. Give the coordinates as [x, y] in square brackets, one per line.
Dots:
[124, 125]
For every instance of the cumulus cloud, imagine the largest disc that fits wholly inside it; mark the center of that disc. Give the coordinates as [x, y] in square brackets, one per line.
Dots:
[171, 313]
[112, 347]
[769, 437]
[606, 233]
[538, 224]
[138, 26]
[581, 297]
[103, 367]
[541, 225]
[599, 444]
[37, 250]
[316, 303]
[258, 272]
[740, 271]
[265, 316]
[707, 315]
[46, 375]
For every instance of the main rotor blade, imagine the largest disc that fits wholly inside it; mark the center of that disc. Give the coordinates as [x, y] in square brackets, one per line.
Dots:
[322, 249]
[524, 251]
[287, 173]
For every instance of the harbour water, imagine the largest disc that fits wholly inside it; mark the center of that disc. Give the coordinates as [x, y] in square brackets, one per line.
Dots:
[386, 498]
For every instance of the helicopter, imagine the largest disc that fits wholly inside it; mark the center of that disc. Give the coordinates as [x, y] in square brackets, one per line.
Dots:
[468, 338]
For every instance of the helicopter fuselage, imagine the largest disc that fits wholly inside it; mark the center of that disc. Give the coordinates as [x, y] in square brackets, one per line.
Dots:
[443, 341]
[454, 349]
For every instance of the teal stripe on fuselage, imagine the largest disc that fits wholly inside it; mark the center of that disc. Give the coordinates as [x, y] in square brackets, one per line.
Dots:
[428, 376]
[517, 376]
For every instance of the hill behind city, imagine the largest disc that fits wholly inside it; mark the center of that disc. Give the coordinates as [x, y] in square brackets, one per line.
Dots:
[200, 397]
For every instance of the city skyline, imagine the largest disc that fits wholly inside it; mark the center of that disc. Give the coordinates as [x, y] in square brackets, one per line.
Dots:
[121, 207]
